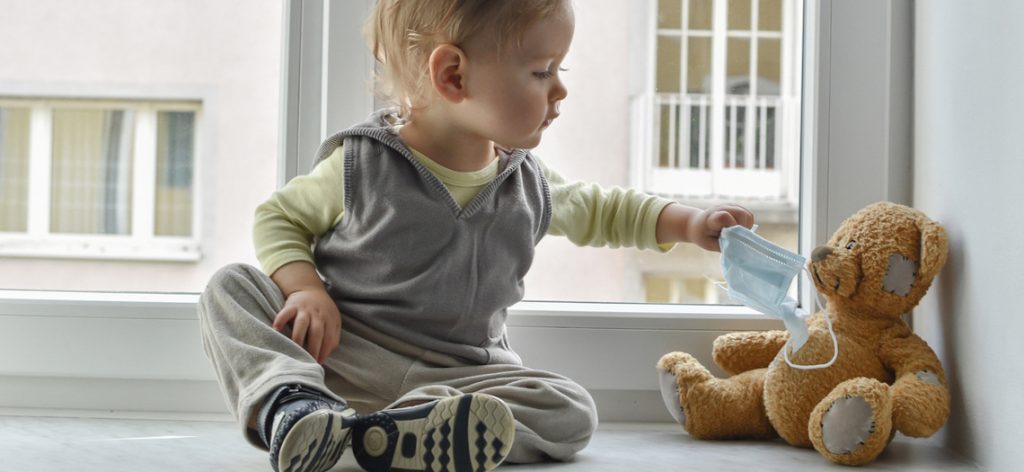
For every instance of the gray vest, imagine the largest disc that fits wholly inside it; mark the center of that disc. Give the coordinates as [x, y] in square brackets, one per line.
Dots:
[407, 262]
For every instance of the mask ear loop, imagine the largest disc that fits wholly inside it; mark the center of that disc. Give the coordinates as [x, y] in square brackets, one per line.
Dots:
[831, 332]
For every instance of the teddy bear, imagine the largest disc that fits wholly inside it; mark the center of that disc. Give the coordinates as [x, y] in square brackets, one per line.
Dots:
[874, 269]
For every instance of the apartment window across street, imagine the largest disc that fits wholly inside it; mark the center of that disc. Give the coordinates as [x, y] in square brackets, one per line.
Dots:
[719, 121]
[98, 179]
[722, 119]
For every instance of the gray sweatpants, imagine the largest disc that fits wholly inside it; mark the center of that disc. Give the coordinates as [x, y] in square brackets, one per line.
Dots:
[555, 417]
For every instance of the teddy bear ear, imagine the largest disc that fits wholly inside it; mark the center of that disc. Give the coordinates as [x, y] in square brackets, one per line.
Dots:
[934, 248]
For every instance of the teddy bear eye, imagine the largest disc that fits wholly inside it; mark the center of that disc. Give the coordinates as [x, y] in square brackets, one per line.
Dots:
[850, 245]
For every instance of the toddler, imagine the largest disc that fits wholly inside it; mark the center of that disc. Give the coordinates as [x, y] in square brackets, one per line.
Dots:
[378, 318]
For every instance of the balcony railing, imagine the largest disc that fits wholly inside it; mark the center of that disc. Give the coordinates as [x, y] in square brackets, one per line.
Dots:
[752, 155]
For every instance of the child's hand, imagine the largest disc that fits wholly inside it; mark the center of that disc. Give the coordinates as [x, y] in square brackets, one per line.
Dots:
[706, 226]
[315, 320]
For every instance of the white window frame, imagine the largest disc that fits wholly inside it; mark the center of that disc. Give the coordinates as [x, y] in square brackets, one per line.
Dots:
[141, 243]
[857, 116]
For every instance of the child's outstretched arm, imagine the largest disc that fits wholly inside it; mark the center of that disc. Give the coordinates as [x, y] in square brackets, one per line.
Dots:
[681, 223]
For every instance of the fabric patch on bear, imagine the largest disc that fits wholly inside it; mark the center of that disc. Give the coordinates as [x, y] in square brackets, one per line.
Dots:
[900, 276]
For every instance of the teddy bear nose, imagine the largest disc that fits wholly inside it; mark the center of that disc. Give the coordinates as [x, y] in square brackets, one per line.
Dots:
[820, 253]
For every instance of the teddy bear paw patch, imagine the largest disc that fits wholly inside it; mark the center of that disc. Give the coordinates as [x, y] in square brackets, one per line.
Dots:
[847, 425]
[670, 395]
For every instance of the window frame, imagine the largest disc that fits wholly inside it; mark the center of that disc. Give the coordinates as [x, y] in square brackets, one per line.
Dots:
[141, 243]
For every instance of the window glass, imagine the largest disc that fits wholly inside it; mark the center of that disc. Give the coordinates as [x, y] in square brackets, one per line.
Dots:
[769, 16]
[700, 14]
[710, 130]
[669, 63]
[91, 189]
[670, 14]
[739, 14]
[737, 66]
[14, 137]
[174, 153]
[698, 65]
[769, 63]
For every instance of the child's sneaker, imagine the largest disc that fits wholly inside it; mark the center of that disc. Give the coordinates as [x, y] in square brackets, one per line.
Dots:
[468, 433]
[305, 430]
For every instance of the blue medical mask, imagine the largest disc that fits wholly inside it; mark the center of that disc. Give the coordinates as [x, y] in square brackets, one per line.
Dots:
[758, 274]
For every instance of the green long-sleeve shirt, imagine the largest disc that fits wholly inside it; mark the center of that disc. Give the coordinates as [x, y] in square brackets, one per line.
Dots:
[585, 213]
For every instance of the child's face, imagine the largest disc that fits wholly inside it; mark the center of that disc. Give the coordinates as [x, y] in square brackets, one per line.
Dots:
[513, 97]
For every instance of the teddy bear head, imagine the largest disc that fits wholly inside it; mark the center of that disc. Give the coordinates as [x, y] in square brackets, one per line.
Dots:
[880, 261]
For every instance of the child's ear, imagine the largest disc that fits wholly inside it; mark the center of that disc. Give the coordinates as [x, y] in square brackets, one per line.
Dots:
[447, 64]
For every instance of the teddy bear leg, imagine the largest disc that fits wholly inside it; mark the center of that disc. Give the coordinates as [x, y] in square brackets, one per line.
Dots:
[712, 408]
[853, 424]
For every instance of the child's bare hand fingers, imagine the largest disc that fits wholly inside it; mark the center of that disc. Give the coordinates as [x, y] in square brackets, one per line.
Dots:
[284, 316]
[315, 338]
[743, 216]
[329, 345]
[299, 327]
[721, 219]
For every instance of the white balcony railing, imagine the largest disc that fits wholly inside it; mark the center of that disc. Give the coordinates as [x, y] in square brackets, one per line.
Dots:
[753, 155]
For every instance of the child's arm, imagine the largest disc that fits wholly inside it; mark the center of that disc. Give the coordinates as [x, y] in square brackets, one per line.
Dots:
[285, 225]
[589, 215]
[316, 322]
[681, 223]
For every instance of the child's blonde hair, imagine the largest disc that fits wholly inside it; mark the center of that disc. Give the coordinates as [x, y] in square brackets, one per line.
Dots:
[403, 33]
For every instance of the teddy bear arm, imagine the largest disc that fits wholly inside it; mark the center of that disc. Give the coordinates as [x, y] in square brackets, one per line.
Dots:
[920, 394]
[745, 351]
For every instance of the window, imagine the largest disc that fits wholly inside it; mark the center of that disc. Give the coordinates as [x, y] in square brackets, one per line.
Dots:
[241, 118]
[715, 118]
[722, 119]
[99, 179]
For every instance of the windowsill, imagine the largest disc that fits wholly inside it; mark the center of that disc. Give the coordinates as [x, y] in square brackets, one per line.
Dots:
[159, 358]
[182, 306]
[160, 249]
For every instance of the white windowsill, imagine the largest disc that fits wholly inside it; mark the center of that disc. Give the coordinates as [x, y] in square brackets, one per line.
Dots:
[182, 306]
[158, 357]
[163, 249]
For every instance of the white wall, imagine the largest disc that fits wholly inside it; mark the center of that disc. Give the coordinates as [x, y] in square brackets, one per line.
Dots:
[969, 166]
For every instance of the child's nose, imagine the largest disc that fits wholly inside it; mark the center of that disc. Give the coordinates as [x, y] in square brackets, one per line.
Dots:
[559, 92]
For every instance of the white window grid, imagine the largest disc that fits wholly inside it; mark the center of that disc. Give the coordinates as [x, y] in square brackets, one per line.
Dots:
[141, 243]
[713, 174]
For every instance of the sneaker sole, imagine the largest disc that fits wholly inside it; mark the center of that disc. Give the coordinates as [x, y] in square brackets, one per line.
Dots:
[316, 442]
[469, 433]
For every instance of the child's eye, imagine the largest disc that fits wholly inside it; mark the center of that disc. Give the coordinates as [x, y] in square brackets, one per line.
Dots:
[548, 74]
